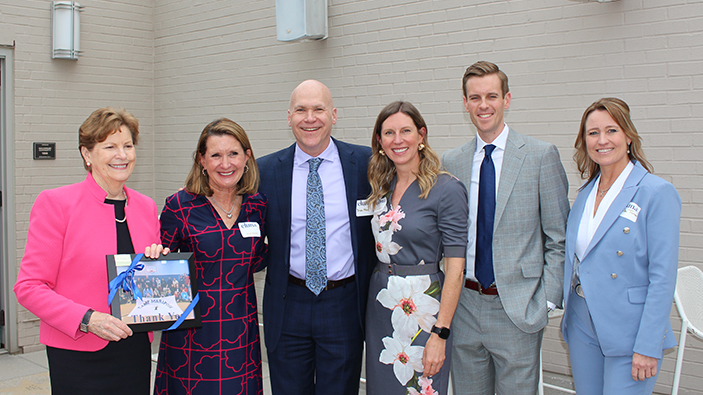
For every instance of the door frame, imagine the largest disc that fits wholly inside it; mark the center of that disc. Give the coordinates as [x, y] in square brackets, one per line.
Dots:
[8, 260]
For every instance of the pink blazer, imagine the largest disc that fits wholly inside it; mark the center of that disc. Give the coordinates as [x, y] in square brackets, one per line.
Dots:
[63, 271]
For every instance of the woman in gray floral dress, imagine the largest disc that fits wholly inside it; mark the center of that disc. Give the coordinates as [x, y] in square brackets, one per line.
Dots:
[420, 216]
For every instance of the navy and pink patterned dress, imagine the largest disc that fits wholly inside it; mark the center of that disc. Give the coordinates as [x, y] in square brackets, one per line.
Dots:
[224, 356]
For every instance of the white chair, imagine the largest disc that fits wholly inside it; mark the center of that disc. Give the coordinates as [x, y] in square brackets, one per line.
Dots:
[689, 302]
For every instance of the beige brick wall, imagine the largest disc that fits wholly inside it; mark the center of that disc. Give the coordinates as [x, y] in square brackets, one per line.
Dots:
[54, 96]
[180, 64]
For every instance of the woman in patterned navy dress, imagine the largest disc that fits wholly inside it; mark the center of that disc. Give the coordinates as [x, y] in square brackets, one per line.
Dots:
[220, 217]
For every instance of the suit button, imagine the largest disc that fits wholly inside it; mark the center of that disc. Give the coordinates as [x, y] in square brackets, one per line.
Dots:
[613, 275]
[619, 253]
[626, 230]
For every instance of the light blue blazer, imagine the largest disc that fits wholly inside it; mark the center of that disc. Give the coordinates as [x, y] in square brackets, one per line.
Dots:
[628, 271]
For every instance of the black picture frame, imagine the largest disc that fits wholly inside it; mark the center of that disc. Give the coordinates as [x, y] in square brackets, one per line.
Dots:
[164, 283]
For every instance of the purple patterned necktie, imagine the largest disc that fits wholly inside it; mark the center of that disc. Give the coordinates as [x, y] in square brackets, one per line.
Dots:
[315, 232]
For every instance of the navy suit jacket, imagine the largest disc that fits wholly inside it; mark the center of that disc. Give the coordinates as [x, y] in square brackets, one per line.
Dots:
[628, 271]
[276, 182]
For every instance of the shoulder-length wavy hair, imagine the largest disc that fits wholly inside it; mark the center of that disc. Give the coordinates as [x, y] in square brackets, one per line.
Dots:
[198, 182]
[382, 170]
[620, 112]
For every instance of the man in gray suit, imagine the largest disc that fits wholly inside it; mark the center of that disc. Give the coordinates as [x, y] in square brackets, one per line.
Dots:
[515, 260]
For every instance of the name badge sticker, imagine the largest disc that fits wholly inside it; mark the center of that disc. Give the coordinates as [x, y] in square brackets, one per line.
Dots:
[249, 229]
[631, 212]
[362, 208]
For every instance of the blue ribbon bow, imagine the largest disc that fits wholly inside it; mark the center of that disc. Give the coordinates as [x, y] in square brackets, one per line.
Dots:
[125, 280]
[183, 316]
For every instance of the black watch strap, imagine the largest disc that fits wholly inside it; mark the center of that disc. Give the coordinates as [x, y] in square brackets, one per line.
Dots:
[86, 320]
[442, 332]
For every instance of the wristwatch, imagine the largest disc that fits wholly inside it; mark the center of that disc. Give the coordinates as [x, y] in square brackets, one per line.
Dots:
[443, 333]
[86, 320]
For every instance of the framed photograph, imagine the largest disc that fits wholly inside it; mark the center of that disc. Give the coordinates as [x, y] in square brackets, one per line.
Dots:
[166, 288]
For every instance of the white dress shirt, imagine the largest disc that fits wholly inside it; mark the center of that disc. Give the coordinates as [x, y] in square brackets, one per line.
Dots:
[340, 256]
[500, 142]
[590, 221]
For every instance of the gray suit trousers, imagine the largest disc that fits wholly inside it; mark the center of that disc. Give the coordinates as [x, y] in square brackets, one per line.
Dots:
[491, 355]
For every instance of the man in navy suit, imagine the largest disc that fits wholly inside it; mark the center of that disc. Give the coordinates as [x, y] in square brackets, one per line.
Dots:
[315, 341]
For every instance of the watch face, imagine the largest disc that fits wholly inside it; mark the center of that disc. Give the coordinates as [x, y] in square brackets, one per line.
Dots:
[443, 333]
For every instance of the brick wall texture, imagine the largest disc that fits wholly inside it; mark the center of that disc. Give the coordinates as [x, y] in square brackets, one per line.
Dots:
[179, 64]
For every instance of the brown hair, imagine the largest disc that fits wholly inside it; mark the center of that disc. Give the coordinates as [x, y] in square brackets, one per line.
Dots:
[483, 68]
[382, 170]
[198, 183]
[101, 124]
[620, 112]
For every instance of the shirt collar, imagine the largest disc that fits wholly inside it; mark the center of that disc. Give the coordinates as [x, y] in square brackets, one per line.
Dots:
[500, 142]
[329, 154]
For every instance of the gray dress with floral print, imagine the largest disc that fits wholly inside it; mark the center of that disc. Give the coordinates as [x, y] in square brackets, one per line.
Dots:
[406, 285]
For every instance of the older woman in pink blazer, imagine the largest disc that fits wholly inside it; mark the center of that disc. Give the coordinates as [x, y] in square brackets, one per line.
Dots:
[63, 276]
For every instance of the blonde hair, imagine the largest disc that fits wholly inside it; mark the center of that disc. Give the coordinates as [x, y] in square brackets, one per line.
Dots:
[382, 170]
[620, 112]
[197, 181]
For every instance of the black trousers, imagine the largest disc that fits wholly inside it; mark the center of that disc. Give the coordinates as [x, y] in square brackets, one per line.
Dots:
[122, 368]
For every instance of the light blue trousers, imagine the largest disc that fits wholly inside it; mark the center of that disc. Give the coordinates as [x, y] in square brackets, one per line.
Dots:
[595, 374]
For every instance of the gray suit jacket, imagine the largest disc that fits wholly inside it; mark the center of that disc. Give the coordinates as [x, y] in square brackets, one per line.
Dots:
[530, 222]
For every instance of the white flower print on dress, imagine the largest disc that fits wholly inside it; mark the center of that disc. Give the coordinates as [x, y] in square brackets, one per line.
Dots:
[385, 246]
[383, 227]
[406, 359]
[411, 306]
[413, 301]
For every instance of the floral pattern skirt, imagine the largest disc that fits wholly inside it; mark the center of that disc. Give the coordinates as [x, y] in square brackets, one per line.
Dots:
[400, 313]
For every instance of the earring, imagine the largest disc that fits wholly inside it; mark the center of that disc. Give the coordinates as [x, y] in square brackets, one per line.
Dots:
[421, 147]
[205, 174]
[628, 148]
[87, 164]
[382, 152]
[246, 168]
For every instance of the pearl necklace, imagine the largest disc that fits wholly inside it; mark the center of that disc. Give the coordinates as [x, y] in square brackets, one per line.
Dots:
[125, 212]
[229, 213]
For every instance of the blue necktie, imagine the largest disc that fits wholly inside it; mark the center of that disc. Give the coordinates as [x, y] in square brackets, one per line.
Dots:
[315, 232]
[484, 220]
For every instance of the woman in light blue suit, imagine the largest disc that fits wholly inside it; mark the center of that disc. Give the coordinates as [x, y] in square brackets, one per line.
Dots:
[622, 243]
